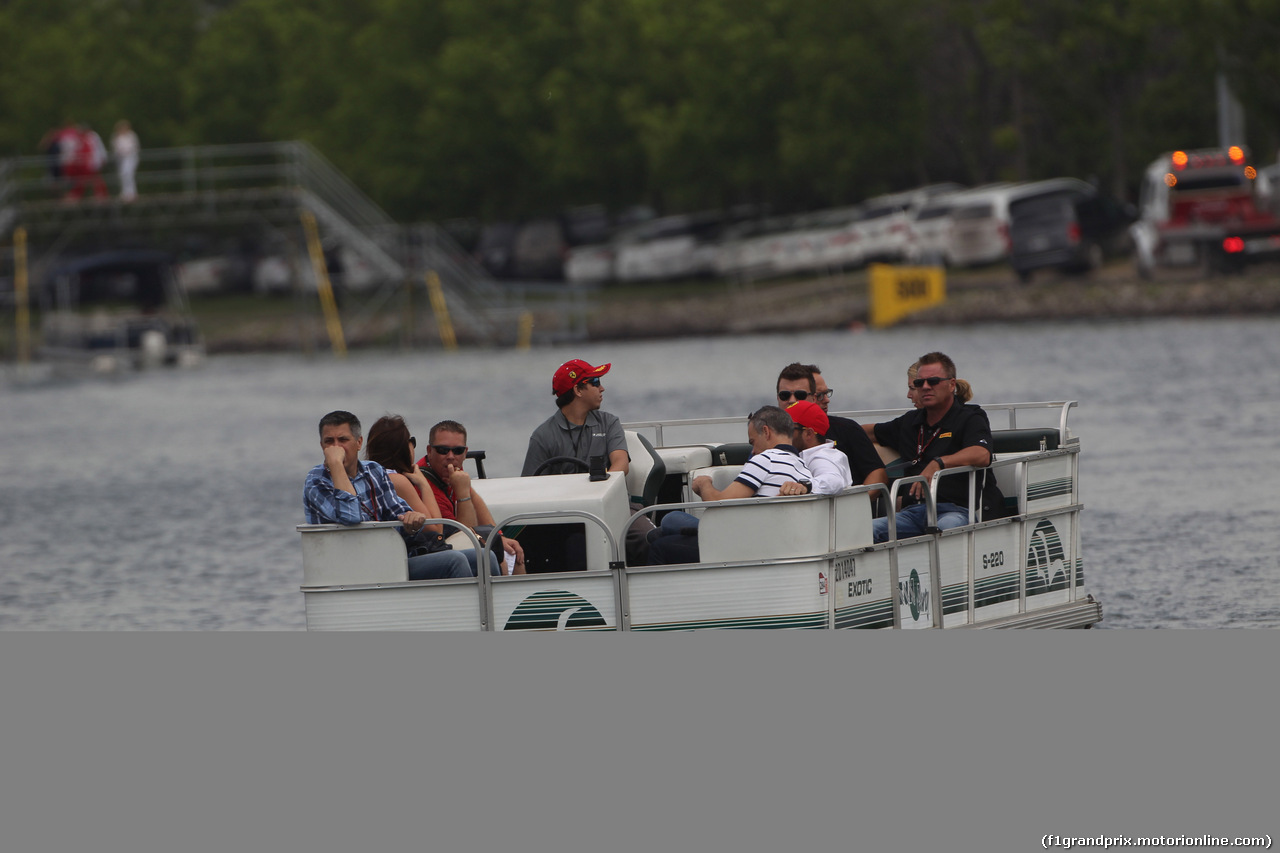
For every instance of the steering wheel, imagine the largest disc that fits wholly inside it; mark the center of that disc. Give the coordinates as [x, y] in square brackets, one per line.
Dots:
[583, 467]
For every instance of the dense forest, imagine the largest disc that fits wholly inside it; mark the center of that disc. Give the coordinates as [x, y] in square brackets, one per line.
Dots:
[508, 108]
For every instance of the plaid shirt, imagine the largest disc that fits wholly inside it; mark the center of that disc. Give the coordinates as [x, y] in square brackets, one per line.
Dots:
[375, 498]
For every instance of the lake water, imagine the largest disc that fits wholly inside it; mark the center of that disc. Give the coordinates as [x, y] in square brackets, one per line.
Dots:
[168, 500]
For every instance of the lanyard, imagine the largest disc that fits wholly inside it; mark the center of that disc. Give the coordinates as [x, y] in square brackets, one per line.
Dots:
[578, 438]
[372, 506]
[446, 489]
[921, 444]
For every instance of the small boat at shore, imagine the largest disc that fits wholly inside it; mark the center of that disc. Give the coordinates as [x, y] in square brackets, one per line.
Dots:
[795, 562]
[116, 311]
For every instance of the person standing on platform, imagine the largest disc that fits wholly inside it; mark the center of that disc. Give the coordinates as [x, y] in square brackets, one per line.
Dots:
[126, 150]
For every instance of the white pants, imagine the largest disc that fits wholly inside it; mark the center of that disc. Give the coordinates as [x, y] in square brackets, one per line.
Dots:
[128, 186]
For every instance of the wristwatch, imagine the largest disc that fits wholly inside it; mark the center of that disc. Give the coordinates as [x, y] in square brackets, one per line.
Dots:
[941, 464]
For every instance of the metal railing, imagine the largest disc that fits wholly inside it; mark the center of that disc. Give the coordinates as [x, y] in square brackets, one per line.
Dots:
[267, 183]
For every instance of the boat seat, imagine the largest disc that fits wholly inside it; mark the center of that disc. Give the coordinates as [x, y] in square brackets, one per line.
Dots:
[1003, 441]
[1024, 440]
[731, 454]
[646, 471]
[366, 553]
[721, 476]
[681, 459]
[796, 527]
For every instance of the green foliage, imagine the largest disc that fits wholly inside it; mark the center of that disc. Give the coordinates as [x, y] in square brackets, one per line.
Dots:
[514, 108]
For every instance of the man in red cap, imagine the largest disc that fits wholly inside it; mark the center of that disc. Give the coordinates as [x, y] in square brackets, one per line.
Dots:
[579, 430]
[829, 466]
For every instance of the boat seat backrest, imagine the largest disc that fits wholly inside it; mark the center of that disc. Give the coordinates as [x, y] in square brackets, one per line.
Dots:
[1020, 440]
[852, 520]
[335, 555]
[681, 459]
[1009, 478]
[731, 454]
[773, 528]
[646, 470]
[721, 476]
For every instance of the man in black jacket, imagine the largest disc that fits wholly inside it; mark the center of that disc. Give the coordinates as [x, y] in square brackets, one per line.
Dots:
[943, 433]
[801, 382]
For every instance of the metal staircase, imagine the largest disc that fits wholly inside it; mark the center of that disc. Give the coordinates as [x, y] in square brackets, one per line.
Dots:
[263, 187]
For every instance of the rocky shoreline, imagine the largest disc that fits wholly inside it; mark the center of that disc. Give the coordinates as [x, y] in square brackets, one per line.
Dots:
[835, 302]
[841, 302]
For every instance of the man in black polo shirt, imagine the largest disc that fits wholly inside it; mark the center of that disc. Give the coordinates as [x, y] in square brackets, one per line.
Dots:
[942, 433]
[800, 382]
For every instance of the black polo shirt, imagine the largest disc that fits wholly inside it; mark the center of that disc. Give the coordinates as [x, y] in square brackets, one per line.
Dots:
[851, 440]
[964, 425]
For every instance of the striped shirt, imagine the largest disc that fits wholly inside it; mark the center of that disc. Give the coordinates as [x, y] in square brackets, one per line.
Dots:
[375, 498]
[765, 472]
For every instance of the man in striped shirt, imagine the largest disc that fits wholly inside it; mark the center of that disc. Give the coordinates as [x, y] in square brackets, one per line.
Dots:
[775, 468]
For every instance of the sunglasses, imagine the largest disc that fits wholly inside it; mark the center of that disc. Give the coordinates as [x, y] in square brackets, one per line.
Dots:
[933, 381]
[784, 396]
[445, 450]
[594, 380]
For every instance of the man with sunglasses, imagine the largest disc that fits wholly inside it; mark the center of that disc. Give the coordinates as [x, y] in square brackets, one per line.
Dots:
[941, 433]
[451, 484]
[803, 382]
[343, 489]
[579, 429]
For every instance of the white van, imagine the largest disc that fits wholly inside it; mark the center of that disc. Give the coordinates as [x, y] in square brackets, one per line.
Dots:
[979, 232]
[929, 230]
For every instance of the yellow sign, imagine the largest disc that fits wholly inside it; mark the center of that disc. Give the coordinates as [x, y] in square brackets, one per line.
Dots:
[899, 291]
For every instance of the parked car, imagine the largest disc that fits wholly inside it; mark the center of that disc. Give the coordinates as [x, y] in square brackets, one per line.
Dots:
[539, 250]
[753, 249]
[496, 248]
[1065, 224]
[875, 227]
[929, 230]
[589, 264]
[682, 246]
[895, 242]
[979, 232]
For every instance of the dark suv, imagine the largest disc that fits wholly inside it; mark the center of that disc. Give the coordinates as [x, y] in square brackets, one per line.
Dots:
[1066, 225]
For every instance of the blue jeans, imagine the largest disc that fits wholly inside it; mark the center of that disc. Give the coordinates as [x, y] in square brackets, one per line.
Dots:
[677, 520]
[441, 564]
[471, 562]
[912, 520]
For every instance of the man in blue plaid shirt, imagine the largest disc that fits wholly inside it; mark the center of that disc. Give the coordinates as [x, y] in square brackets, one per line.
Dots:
[345, 490]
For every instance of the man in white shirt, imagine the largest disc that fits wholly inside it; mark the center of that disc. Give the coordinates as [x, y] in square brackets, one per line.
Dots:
[828, 466]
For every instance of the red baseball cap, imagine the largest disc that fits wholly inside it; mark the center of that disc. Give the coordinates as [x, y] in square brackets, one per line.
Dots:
[574, 371]
[807, 414]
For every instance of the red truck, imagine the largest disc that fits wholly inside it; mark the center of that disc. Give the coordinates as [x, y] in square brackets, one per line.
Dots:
[1204, 208]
